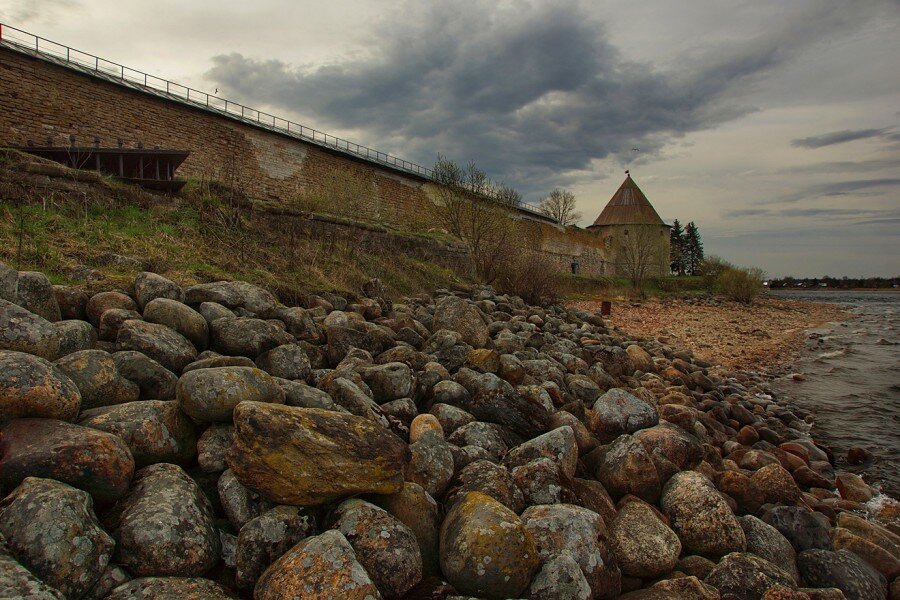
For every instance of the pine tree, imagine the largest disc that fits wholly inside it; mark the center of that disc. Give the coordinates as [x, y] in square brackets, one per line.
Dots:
[676, 248]
[693, 249]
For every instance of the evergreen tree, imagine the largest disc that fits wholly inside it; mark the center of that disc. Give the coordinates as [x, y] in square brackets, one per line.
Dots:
[676, 248]
[693, 249]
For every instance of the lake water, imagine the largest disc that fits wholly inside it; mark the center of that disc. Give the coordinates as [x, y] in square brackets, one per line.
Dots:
[852, 382]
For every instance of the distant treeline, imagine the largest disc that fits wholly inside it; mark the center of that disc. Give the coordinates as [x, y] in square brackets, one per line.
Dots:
[836, 282]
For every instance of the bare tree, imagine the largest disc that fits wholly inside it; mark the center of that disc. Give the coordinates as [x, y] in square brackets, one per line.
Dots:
[507, 195]
[560, 205]
[639, 254]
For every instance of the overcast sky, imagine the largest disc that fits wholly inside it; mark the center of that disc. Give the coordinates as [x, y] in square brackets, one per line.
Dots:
[773, 124]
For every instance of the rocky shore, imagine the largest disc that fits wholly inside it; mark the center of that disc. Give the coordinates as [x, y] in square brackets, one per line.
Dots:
[209, 442]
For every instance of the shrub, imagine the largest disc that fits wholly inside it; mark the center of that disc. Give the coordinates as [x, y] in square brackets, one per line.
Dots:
[741, 284]
[533, 276]
[710, 269]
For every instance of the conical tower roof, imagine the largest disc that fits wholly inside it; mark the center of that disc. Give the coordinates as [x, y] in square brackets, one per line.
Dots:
[628, 206]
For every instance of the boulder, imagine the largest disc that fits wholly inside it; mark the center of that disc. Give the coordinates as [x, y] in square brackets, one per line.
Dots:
[266, 538]
[678, 447]
[416, 509]
[332, 455]
[156, 431]
[97, 378]
[164, 588]
[766, 542]
[489, 436]
[154, 380]
[166, 346]
[74, 336]
[323, 567]
[389, 381]
[852, 487]
[213, 360]
[179, 317]
[384, 546]
[24, 331]
[843, 570]
[557, 445]
[300, 324]
[287, 362]
[150, 286]
[238, 503]
[560, 578]
[884, 561]
[742, 489]
[51, 529]
[210, 395]
[9, 279]
[212, 446]
[640, 358]
[95, 461]
[431, 463]
[300, 394]
[72, 302]
[213, 310]
[487, 478]
[700, 516]
[645, 547]
[776, 484]
[234, 294]
[32, 387]
[34, 293]
[617, 412]
[245, 336]
[625, 467]
[485, 549]
[744, 576]
[494, 400]
[111, 322]
[15, 580]
[455, 314]
[800, 526]
[103, 301]
[164, 525]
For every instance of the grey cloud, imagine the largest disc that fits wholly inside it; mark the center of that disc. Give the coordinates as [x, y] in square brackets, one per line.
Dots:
[828, 212]
[747, 212]
[854, 187]
[848, 166]
[839, 137]
[535, 93]
[21, 11]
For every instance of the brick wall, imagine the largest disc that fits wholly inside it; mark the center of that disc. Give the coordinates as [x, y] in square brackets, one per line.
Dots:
[40, 100]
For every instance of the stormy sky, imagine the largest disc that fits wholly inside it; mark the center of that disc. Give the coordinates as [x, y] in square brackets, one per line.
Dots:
[773, 124]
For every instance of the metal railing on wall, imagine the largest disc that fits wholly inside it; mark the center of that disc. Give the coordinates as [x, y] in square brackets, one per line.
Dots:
[31, 44]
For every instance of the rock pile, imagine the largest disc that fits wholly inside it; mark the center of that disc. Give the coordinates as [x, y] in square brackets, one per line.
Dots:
[209, 442]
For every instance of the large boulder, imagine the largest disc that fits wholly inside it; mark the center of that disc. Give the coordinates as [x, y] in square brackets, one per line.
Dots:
[645, 547]
[164, 345]
[557, 445]
[678, 447]
[211, 394]
[416, 509]
[617, 412]
[802, 528]
[485, 477]
[843, 570]
[322, 567]
[111, 322]
[24, 331]
[51, 529]
[18, 582]
[765, 541]
[75, 335]
[700, 516]
[287, 362]
[154, 380]
[179, 317]
[384, 546]
[35, 293]
[431, 462]
[32, 387]
[390, 381]
[98, 379]
[331, 455]
[156, 431]
[150, 286]
[164, 526]
[494, 400]
[95, 461]
[234, 294]
[744, 576]
[625, 467]
[245, 336]
[486, 550]
[560, 578]
[264, 539]
[104, 301]
[457, 315]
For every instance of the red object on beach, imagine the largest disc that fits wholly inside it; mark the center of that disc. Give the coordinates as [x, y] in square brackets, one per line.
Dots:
[605, 308]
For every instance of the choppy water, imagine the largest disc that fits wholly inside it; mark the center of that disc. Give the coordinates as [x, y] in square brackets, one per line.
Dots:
[852, 383]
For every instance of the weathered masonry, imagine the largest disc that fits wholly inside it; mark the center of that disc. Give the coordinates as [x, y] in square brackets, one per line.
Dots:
[54, 96]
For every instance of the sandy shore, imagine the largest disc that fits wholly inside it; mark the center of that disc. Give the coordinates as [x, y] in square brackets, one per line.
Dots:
[764, 335]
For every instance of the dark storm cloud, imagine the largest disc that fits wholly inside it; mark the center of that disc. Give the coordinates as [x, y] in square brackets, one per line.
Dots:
[535, 93]
[839, 137]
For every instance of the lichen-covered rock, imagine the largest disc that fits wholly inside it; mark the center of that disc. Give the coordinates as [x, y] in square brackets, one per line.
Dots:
[111, 322]
[103, 301]
[179, 317]
[150, 286]
[489, 436]
[384, 546]
[17, 582]
[91, 460]
[318, 568]
[74, 336]
[560, 578]
[744, 576]
[211, 360]
[72, 302]
[24, 331]
[51, 529]
[389, 381]
[485, 548]
[287, 362]
[330, 455]
[213, 310]
[97, 378]
[154, 380]
[264, 539]
[156, 431]
[687, 588]
[542, 482]
[557, 445]
[112, 577]
[776, 484]
[844, 570]
[245, 336]
[494, 400]
[581, 533]
[234, 294]
[765, 541]
[210, 395]
[166, 588]
[34, 293]
[164, 525]
[300, 394]
[700, 516]
[431, 463]
[742, 489]
[239, 503]
[800, 526]
[164, 345]
[32, 387]
[487, 478]
[416, 509]
[678, 447]
[300, 324]
[457, 315]
[212, 446]
[625, 467]
[617, 412]
[645, 547]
